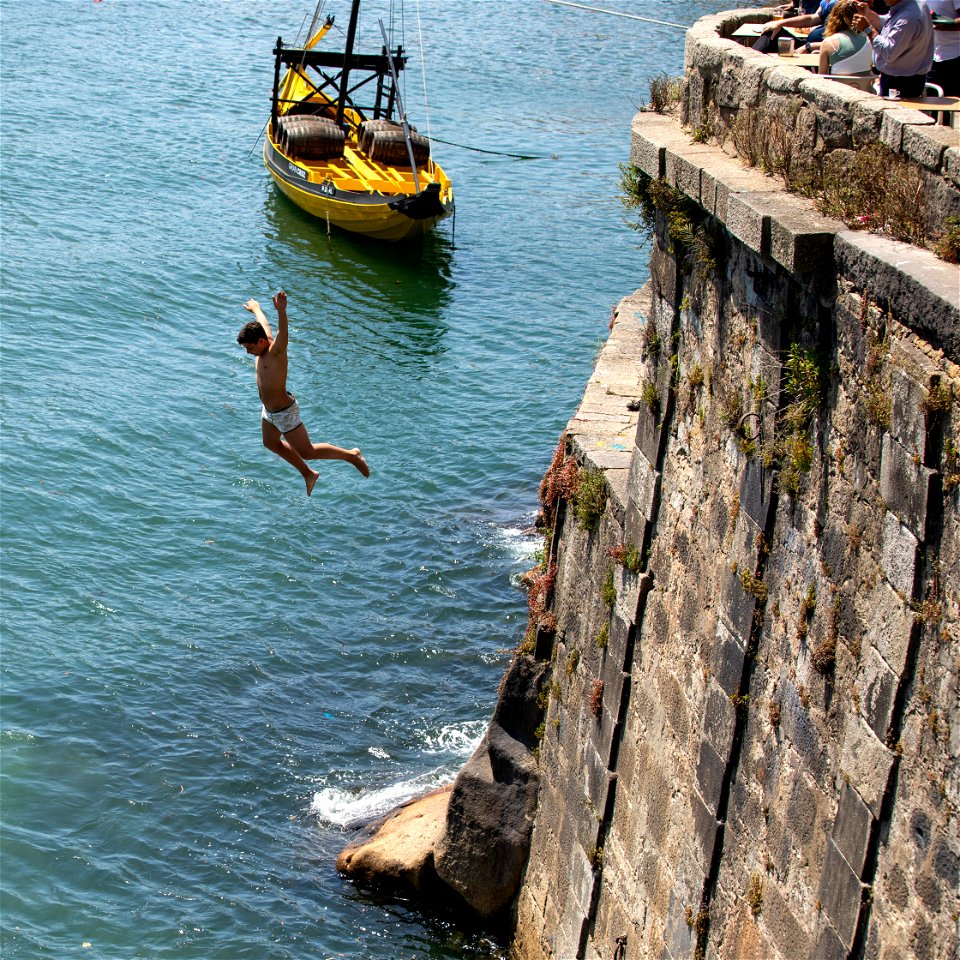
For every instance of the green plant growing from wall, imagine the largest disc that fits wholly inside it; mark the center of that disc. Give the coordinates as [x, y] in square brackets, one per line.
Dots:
[590, 499]
[753, 585]
[608, 592]
[877, 399]
[649, 396]
[755, 894]
[939, 399]
[791, 451]
[947, 246]
[951, 465]
[628, 556]
[573, 659]
[666, 92]
[651, 339]
[602, 638]
[808, 603]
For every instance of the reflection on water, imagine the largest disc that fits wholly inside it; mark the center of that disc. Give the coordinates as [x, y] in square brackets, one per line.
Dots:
[396, 294]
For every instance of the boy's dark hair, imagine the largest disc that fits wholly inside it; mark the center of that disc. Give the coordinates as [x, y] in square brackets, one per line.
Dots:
[252, 332]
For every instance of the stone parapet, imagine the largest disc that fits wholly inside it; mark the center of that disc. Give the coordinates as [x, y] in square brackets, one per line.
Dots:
[724, 78]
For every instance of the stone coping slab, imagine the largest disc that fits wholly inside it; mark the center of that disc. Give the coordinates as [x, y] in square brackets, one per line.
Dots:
[925, 290]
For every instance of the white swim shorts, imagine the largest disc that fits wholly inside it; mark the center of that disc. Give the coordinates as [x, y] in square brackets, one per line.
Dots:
[284, 420]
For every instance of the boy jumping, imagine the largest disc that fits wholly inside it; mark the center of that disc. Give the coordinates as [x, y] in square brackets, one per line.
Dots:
[283, 430]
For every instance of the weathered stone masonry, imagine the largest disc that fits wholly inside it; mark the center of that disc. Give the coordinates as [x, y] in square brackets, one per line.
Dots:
[753, 751]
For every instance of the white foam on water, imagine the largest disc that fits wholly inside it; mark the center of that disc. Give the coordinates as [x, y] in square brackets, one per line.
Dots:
[460, 740]
[348, 805]
[344, 806]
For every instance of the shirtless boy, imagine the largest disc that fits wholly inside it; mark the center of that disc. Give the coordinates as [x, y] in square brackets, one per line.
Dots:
[283, 430]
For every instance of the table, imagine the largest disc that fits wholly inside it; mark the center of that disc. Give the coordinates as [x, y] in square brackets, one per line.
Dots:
[750, 31]
[946, 107]
[811, 61]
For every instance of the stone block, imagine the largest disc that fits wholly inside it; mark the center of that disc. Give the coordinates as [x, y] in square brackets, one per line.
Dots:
[799, 729]
[868, 119]
[905, 486]
[898, 555]
[851, 828]
[596, 779]
[785, 78]
[828, 96]
[787, 932]
[736, 605]
[719, 718]
[951, 165]
[710, 770]
[726, 660]
[726, 177]
[683, 163]
[923, 287]
[756, 488]
[748, 219]
[627, 585]
[828, 946]
[896, 121]
[927, 145]
[840, 894]
[801, 240]
[642, 485]
[678, 935]
[618, 639]
[907, 421]
[613, 684]
[649, 133]
[889, 624]
[877, 685]
[705, 828]
[635, 524]
[865, 761]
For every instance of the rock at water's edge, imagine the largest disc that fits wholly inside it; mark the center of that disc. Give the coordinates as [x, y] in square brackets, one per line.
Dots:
[485, 847]
[399, 855]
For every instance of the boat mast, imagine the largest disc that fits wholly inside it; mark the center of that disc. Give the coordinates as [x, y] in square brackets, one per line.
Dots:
[347, 54]
[278, 50]
[403, 113]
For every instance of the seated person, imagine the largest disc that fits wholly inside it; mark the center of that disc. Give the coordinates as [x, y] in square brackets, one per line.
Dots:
[902, 45]
[771, 31]
[844, 51]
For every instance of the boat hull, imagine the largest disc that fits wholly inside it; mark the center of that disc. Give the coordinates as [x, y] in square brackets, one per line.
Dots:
[382, 216]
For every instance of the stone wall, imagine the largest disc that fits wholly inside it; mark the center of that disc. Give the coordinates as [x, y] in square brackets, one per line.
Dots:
[751, 708]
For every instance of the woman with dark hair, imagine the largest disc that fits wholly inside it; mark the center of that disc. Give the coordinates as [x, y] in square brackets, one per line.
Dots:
[844, 51]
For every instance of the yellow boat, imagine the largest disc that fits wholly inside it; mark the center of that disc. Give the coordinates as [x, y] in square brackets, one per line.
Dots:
[358, 167]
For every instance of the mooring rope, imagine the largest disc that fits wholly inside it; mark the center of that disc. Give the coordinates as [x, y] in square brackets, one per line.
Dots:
[616, 13]
[496, 153]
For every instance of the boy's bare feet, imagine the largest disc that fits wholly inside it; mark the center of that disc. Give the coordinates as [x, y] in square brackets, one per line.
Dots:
[311, 481]
[358, 461]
